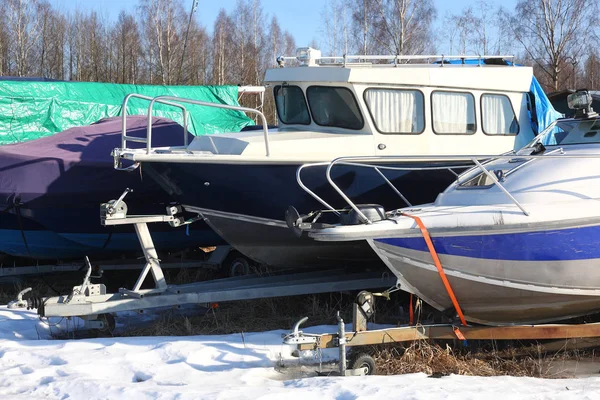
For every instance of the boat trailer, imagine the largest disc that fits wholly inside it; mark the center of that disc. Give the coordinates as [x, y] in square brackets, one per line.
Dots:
[95, 306]
[353, 361]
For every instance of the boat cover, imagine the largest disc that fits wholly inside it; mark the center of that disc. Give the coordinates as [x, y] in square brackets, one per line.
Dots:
[33, 109]
[76, 165]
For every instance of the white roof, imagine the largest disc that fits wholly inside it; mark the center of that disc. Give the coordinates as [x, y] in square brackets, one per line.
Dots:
[484, 77]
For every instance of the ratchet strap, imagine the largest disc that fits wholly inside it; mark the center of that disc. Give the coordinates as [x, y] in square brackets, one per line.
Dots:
[438, 265]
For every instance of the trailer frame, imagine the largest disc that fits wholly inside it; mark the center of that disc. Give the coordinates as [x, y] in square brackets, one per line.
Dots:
[362, 336]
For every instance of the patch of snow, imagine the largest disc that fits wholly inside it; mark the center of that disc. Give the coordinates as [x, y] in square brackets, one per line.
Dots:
[218, 367]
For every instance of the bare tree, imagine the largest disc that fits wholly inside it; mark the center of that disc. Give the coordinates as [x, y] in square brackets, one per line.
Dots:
[4, 67]
[164, 20]
[195, 68]
[485, 23]
[404, 26]
[57, 49]
[335, 31]
[591, 76]
[185, 39]
[552, 30]
[127, 43]
[275, 41]
[364, 14]
[222, 52]
[23, 24]
[463, 25]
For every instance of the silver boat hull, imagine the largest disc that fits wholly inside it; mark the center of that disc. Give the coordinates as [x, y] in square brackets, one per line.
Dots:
[498, 292]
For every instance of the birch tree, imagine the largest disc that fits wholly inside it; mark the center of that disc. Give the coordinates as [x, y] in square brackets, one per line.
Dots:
[404, 26]
[127, 43]
[222, 51]
[550, 31]
[336, 21]
[23, 24]
[591, 76]
[4, 58]
[164, 20]
[364, 13]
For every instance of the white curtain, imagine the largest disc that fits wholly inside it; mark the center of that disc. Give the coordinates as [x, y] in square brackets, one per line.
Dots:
[497, 115]
[396, 111]
[453, 112]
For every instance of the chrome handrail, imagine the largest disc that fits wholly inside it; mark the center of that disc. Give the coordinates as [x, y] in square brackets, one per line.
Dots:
[310, 192]
[327, 205]
[368, 162]
[207, 104]
[125, 138]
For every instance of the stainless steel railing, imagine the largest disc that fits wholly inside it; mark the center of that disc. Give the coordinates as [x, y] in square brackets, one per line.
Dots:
[375, 163]
[125, 138]
[176, 102]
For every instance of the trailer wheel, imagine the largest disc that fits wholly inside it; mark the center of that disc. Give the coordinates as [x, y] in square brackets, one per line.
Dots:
[362, 360]
[235, 264]
[109, 324]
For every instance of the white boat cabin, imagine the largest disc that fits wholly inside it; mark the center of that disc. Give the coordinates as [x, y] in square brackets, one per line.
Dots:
[330, 107]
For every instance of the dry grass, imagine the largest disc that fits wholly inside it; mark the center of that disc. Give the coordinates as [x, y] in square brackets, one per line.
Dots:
[441, 359]
[41, 285]
[479, 358]
[251, 316]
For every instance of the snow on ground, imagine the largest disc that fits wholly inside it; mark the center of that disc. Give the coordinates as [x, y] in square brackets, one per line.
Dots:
[218, 367]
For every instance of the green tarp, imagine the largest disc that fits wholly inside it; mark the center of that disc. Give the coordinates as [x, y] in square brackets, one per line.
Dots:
[34, 109]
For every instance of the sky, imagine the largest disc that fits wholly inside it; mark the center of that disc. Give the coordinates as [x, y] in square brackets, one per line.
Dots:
[302, 18]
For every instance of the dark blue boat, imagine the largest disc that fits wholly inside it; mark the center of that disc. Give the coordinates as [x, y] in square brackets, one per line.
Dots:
[51, 190]
[243, 183]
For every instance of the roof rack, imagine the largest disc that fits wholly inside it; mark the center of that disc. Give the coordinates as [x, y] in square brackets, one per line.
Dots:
[308, 56]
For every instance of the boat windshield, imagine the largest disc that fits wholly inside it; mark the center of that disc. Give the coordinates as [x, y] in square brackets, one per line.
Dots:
[291, 105]
[570, 131]
[335, 107]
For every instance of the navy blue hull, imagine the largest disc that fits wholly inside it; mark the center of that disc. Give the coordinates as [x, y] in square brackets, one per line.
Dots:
[267, 190]
[246, 204]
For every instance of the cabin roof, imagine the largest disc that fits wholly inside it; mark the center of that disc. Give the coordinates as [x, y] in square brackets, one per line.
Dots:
[484, 77]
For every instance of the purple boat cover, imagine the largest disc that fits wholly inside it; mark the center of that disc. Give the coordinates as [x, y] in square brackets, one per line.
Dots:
[76, 165]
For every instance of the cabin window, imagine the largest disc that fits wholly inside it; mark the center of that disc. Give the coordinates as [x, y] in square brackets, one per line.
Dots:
[396, 111]
[291, 105]
[497, 115]
[335, 107]
[453, 113]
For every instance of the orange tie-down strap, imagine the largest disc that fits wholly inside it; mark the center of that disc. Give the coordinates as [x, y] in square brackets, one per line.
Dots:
[438, 265]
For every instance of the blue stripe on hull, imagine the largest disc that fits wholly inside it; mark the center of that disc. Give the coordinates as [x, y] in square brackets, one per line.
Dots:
[562, 244]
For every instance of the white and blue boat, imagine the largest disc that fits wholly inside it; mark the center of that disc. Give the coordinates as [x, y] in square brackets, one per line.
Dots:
[518, 236]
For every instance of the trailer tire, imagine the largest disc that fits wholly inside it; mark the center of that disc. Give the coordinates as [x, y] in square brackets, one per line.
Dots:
[109, 324]
[362, 360]
[236, 264]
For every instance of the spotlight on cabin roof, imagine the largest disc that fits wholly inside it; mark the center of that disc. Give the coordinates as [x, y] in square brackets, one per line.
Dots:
[581, 102]
[308, 56]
